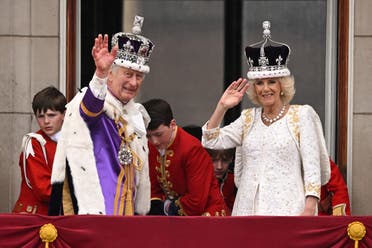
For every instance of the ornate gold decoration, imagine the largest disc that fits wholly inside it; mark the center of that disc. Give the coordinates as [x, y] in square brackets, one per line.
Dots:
[222, 213]
[339, 210]
[181, 212]
[87, 112]
[248, 120]
[294, 121]
[48, 233]
[126, 155]
[129, 160]
[356, 231]
[311, 187]
[213, 134]
[164, 175]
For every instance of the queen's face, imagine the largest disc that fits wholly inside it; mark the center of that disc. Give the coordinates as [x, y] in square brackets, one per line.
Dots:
[268, 91]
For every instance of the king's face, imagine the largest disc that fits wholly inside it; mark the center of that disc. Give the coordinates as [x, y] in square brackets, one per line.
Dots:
[124, 83]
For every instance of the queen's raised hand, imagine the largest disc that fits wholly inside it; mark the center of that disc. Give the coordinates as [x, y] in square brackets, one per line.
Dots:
[233, 95]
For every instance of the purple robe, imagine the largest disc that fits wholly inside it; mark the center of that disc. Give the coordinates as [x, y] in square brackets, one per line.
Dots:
[106, 142]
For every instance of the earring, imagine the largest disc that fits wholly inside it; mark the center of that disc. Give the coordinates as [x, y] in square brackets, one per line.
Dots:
[282, 93]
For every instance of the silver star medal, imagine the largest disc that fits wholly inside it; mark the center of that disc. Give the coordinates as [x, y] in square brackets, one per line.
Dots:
[125, 155]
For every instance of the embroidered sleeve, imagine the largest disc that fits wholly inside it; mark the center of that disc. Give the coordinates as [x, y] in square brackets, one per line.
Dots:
[224, 138]
[313, 150]
[210, 134]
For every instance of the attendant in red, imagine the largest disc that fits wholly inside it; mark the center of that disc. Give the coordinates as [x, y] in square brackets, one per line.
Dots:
[334, 195]
[222, 161]
[38, 151]
[181, 171]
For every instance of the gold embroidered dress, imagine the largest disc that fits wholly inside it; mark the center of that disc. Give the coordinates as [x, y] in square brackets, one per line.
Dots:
[278, 165]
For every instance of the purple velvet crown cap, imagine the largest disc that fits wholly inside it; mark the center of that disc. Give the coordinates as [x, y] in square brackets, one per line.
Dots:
[267, 58]
[134, 49]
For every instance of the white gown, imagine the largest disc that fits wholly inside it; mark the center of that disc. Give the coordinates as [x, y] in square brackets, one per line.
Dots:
[274, 173]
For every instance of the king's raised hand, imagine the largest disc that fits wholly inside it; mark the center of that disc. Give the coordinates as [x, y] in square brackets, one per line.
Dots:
[103, 59]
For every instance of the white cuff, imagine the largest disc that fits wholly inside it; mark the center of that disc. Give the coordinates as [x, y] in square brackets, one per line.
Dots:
[98, 87]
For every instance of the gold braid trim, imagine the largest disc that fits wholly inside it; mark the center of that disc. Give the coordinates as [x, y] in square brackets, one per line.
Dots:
[123, 202]
[124, 194]
[181, 212]
[118, 190]
[128, 192]
[88, 112]
[339, 210]
[222, 213]
[162, 169]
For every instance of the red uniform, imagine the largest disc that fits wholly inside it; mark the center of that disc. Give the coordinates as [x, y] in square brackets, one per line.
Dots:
[37, 174]
[334, 195]
[185, 175]
[228, 190]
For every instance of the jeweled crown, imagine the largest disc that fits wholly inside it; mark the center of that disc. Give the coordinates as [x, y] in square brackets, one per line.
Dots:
[267, 58]
[134, 49]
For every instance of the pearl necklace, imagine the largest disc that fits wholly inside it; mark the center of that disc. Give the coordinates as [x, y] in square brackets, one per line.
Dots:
[271, 121]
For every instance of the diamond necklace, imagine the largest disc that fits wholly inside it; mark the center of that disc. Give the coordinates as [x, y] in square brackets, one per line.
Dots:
[271, 121]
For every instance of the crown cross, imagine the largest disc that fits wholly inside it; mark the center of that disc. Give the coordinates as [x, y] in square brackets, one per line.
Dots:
[250, 62]
[137, 24]
[279, 60]
[263, 61]
[128, 47]
[266, 32]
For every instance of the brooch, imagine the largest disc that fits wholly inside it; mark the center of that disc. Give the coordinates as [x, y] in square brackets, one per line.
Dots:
[125, 155]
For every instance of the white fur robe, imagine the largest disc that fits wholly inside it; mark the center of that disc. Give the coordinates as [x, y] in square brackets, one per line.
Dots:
[75, 145]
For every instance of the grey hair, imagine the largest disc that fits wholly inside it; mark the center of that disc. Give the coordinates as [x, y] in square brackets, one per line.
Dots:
[286, 84]
[114, 67]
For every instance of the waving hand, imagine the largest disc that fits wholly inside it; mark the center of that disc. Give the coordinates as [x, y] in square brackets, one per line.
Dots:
[103, 59]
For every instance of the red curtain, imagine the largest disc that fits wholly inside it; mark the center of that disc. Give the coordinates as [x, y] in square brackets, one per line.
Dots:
[18, 230]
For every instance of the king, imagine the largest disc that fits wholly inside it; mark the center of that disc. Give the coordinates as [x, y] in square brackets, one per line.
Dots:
[101, 163]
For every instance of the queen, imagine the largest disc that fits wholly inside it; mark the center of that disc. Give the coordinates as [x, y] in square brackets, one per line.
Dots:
[281, 159]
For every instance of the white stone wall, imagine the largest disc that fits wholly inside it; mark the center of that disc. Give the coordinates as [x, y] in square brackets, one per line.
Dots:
[29, 61]
[362, 110]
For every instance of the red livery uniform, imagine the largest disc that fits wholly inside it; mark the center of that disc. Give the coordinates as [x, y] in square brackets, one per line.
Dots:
[228, 190]
[334, 195]
[184, 175]
[36, 172]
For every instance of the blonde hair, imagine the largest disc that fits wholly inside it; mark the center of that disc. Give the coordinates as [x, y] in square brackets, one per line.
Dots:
[286, 84]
